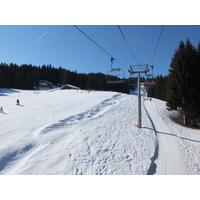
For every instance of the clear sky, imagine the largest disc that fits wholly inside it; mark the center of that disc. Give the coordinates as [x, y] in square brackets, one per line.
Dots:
[65, 46]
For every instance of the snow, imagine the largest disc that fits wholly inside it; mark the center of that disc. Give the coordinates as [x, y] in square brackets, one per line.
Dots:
[181, 144]
[68, 132]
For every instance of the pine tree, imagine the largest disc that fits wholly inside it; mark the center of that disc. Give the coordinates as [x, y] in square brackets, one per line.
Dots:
[182, 83]
[197, 85]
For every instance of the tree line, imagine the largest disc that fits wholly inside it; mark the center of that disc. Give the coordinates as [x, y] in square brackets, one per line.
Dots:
[181, 88]
[28, 76]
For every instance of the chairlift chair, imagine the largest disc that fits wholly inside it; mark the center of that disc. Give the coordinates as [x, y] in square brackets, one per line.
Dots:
[150, 82]
[115, 75]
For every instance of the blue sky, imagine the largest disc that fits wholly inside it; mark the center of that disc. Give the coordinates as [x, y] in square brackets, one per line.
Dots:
[65, 46]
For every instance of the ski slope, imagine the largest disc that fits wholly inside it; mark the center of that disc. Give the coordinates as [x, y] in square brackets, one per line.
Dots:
[77, 132]
[168, 162]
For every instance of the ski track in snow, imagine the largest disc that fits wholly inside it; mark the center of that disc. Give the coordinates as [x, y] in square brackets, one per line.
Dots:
[172, 158]
[91, 114]
[188, 139]
[167, 161]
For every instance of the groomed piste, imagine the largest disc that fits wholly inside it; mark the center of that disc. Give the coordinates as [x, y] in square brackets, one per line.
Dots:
[78, 132]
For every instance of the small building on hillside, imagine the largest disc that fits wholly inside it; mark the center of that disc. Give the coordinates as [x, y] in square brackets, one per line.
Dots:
[68, 87]
[45, 85]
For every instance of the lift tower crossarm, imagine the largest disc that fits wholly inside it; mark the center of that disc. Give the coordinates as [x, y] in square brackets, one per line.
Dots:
[138, 69]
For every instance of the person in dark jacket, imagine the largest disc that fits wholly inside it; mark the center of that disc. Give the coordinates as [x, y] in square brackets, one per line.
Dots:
[17, 101]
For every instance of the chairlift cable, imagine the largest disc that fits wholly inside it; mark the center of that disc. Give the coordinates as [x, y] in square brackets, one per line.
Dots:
[98, 45]
[107, 39]
[127, 44]
[157, 44]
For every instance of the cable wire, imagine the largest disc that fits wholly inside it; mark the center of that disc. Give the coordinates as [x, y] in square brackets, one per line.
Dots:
[157, 44]
[98, 45]
[127, 44]
[109, 41]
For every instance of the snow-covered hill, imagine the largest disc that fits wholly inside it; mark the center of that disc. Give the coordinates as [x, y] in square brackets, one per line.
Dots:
[81, 132]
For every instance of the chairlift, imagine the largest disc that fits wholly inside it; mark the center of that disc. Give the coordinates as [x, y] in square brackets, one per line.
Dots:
[115, 75]
[150, 82]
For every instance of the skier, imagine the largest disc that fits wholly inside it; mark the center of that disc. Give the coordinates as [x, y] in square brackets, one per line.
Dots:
[17, 101]
[1, 110]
